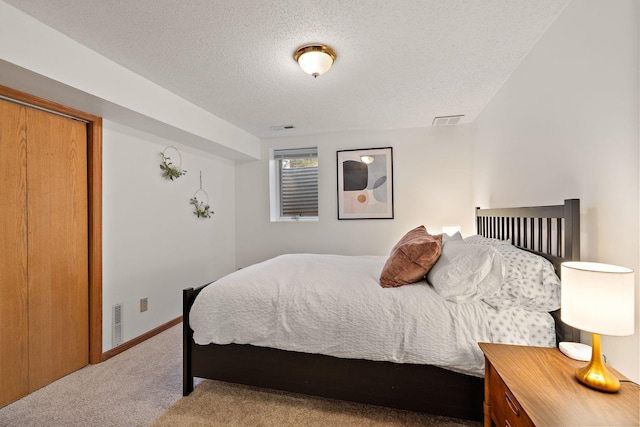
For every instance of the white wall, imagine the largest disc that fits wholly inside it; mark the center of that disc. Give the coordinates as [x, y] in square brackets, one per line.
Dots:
[565, 125]
[153, 245]
[432, 186]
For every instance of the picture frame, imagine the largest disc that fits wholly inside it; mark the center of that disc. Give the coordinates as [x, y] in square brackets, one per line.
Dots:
[365, 183]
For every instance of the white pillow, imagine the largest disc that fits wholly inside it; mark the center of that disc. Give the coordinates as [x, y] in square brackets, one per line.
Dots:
[466, 272]
[446, 238]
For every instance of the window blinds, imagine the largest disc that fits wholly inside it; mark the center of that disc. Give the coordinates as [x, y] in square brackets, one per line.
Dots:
[298, 182]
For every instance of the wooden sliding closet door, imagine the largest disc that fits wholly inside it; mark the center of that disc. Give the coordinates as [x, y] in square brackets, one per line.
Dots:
[58, 291]
[13, 254]
[50, 242]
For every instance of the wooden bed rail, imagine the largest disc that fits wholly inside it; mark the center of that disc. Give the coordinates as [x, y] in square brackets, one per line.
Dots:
[188, 297]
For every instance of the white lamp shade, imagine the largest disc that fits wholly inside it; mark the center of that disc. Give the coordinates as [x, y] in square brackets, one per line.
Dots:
[315, 62]
[598, 298]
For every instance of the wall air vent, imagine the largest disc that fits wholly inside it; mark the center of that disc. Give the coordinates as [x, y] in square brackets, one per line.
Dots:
[447, 120]
[117, 325]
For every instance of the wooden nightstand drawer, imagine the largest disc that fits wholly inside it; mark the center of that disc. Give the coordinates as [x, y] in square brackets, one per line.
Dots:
[505, 409]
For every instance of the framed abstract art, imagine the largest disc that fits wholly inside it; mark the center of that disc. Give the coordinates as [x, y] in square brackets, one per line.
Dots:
[365, 183]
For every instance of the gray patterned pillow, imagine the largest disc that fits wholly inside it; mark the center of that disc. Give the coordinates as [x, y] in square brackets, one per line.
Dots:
[530, 282]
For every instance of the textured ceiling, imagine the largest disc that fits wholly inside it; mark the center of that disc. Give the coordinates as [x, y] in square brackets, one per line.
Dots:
[400, 62]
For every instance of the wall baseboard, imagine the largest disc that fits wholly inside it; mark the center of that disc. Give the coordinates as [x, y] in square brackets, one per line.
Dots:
[141, 338]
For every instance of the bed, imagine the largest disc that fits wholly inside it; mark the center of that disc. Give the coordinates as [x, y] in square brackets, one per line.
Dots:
[403, 382]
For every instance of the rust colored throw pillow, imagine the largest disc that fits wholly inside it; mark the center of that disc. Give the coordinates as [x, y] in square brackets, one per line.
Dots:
[411, 258]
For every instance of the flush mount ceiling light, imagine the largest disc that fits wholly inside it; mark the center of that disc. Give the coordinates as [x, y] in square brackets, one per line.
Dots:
[315, 59]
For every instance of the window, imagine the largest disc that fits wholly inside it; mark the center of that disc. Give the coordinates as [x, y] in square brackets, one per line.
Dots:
[294, 184]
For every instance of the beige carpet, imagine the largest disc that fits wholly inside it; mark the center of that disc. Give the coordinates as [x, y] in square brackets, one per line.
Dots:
[131, 389]
[215, 403]
[143, 387]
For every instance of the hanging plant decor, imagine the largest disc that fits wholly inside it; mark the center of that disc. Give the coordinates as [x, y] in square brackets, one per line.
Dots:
[169, 171]
[201, 209]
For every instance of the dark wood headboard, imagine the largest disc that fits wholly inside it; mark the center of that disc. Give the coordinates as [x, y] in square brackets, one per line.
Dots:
[552, 232]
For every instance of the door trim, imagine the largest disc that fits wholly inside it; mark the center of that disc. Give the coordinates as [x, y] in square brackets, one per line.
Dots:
[94, 175]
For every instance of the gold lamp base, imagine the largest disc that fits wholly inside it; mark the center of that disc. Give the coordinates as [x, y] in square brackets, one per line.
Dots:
[595, 374]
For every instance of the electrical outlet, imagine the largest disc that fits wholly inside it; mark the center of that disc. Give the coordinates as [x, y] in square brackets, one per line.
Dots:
[144, 304]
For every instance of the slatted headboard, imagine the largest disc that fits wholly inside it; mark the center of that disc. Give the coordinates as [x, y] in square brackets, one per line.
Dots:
[549, 231]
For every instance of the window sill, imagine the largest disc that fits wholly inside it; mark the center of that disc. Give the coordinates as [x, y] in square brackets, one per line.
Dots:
[300, 219]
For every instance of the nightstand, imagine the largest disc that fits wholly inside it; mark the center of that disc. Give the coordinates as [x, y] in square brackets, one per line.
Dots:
[536, 386]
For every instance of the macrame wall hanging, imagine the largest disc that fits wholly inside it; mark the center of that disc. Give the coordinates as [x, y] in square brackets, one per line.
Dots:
[201, 207]
[169, 170]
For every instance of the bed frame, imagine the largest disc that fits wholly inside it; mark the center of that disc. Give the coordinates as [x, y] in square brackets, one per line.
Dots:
[414, 387]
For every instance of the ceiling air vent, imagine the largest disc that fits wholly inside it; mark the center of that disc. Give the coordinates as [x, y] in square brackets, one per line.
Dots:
[282, 127]
[447, 120]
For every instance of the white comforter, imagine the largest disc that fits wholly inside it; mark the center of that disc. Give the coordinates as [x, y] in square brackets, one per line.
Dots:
[334, 305]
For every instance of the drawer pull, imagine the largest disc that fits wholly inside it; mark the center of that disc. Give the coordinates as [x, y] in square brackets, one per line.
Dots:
[506, 423]
[513, 407]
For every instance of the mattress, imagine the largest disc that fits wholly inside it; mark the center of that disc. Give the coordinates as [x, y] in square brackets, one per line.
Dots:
[334, 305]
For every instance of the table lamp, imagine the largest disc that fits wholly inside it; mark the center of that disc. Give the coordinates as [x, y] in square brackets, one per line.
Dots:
[598, 298]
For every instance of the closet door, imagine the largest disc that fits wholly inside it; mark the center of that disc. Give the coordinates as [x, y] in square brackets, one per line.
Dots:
[13, 254]
[57, 247]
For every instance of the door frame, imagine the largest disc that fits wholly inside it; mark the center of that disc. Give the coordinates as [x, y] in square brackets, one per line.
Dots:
[94, 193]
